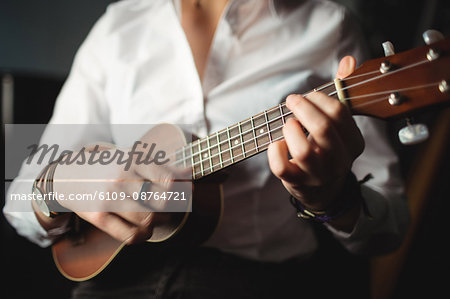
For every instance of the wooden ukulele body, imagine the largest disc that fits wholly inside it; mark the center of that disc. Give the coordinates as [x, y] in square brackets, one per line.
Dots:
[85, 251]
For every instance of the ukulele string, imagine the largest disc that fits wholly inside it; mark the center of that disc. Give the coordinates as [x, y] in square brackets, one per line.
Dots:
[330, 94]
[202, 159]
[276, 107]
[386, 92]
[237, 157]
[280, 106]
[206, 150]
[382, 75]
[254, 151]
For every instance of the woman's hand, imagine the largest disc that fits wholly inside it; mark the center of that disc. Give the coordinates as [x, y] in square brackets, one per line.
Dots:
[109, 192]
[320, 162]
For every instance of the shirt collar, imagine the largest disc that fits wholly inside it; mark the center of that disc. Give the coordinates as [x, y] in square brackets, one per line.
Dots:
[278, 8]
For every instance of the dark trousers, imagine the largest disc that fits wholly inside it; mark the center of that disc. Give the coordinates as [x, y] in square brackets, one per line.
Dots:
[168, 272]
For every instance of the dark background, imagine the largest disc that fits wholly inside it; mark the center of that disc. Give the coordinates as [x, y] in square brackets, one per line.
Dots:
[38, 40]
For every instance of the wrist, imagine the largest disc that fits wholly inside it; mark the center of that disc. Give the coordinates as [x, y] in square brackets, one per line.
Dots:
[43, 192]
[346, 200]
[51, 224]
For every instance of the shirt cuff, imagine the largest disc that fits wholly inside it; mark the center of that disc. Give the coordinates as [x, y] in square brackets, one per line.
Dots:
[28, 226]
[367, 222]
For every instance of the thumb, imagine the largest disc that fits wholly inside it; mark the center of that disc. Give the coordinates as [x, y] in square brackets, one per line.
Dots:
[346, 67]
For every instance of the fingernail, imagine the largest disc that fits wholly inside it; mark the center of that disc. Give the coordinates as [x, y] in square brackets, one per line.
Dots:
[292, 98]
[346, 67]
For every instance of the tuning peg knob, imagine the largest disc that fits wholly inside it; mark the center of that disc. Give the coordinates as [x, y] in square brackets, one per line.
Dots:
[388, 48]
[432, 36]
[413, 134]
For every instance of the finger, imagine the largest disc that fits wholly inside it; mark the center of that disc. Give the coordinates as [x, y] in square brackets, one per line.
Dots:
[139, 219]
[346, 67]
[331, 107]
[115, 226]
[320, 127]
[157, 174]
[344, 123]
[301, 149]
[280, 165]
[143, 223]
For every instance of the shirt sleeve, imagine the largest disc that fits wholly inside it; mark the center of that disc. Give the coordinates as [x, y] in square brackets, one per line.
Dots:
[383, 228]
[81, 107]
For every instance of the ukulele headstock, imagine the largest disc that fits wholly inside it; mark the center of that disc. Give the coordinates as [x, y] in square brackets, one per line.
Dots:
[400, 83]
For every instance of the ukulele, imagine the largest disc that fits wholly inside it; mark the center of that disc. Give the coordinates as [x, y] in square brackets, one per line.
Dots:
[382, 88]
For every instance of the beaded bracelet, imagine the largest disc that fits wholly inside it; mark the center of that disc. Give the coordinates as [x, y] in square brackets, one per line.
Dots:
[349, 197]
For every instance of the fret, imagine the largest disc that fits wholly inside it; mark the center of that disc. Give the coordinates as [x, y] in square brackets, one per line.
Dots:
[254, 133]
[267, 126]
[218, 149]
[242, 140]
[249, 141]
[211, 165]
[281, 114]
[329, 89]
[195, 160]
[262, 138]
[229, 145]
[275, 123]
[204, 156]
[214, 156]
[286, 112]
[199, 151]
[224, 148]
[287, 115]
[235, 142]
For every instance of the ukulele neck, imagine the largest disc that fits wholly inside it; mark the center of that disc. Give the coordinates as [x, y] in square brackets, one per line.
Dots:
[239, 141]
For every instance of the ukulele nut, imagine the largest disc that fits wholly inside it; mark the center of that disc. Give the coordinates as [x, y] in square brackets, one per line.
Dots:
[432, 54]
[444, 86]
[385, 66]
[394, 99]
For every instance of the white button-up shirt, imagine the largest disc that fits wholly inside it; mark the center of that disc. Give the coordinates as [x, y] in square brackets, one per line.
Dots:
[136, 67]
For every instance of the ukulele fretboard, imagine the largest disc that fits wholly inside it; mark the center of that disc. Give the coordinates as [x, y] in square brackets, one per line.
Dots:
[237, 142]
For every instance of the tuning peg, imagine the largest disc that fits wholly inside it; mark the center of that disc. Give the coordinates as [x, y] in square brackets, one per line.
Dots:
[388, 48]
[413, 133]
[432, 36]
